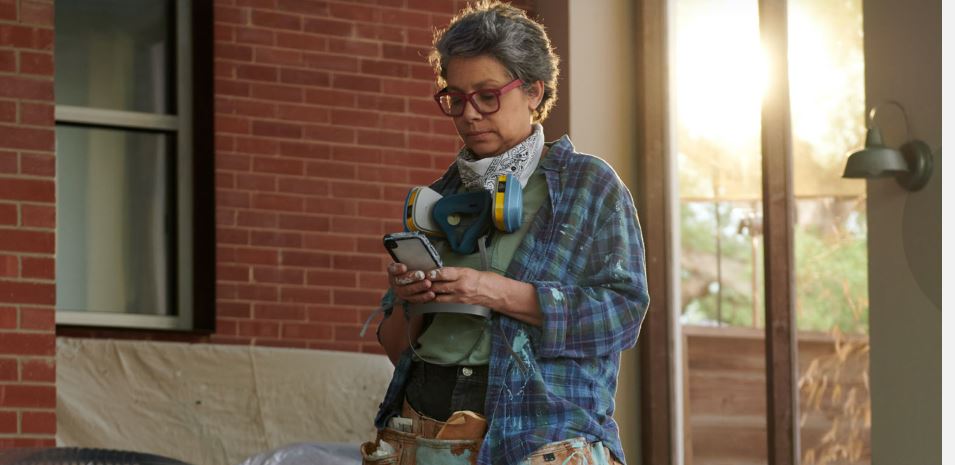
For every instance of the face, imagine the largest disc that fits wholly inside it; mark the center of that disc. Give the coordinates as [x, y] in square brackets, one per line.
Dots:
[494, 134]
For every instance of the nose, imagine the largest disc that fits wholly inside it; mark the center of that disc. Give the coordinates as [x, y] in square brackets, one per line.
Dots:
[470, 112]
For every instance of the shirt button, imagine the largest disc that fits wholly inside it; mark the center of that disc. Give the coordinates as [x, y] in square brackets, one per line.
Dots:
[467, 371]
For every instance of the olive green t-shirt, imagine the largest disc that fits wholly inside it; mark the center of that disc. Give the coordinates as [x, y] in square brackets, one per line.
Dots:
[463, 339]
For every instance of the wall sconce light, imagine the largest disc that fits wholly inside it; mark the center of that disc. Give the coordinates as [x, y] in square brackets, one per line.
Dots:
[911, 164]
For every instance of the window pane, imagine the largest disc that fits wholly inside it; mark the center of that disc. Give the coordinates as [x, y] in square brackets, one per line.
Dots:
[115, 227]
[116, 54]
[717, 80]
[827, 90]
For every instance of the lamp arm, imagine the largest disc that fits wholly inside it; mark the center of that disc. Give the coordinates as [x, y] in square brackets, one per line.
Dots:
[905, 116]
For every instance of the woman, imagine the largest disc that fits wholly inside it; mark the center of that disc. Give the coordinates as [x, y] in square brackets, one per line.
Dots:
[568, 289]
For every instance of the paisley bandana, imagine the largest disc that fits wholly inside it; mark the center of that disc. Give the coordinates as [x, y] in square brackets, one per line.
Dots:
[520, 161]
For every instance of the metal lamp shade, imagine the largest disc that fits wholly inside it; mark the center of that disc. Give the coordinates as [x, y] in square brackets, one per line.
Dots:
[875, 160]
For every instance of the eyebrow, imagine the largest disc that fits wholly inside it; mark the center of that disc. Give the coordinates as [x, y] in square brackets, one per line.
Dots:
[485, 84]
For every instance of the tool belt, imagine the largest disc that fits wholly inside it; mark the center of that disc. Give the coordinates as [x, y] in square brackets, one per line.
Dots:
[415, 439]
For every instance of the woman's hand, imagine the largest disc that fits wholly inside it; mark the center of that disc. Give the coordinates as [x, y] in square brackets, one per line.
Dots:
[411, 287]
[469, 286]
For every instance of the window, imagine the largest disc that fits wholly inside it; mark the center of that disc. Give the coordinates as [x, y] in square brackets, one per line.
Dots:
[134, 224]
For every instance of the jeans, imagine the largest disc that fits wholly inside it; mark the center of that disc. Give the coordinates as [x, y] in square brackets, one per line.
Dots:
[576, 451]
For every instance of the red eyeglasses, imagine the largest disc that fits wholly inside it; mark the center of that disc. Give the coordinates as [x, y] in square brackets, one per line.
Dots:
[485, 101]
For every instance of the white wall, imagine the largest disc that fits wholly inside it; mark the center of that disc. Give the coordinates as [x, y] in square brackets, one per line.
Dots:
[903, 54]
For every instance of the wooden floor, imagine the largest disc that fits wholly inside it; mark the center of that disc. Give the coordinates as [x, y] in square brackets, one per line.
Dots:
[726, 397]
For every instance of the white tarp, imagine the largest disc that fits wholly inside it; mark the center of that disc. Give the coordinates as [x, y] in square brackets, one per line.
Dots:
[209, 404]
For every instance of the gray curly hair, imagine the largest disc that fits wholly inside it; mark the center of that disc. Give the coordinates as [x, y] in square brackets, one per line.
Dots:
[504, 32]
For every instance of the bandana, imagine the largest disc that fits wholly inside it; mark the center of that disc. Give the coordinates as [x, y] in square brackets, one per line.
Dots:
[520, 161]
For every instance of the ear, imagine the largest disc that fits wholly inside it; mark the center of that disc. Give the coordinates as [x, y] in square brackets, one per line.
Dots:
[535, 94]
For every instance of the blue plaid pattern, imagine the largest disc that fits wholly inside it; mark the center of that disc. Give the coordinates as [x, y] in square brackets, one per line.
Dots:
[584, 254]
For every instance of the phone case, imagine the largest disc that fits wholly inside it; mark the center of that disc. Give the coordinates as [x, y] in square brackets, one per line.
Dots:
[412, 249]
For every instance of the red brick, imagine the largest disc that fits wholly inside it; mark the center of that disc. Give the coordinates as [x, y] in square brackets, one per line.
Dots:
[8, 61]
[6, 443]
[295, 312]
[256, 145]
[327, 314]
[328, 27]
[276, 239]
[299, 41]
[278, 56]
[38, 164]
[257, 72]
[232, 236]
[305, 150]
[258, 329]
[8, 111]
[405, 53]
[277, 92]
[356, 298]
[278, 202]
[303, 223]
[235, 273]
[332, 62]
[307, 331]
[278, 275]
[370, 209]
[326, 206]
[37, 319]
[39, 268]
[334, 345]
[26, 88]
[233, 52]
[258, 219]
[16, 240]
[232, 125]
[302, 113]
[353, 47]
[280, 343]
[27, 343]
[38, 422]
[39, 370]
[367, 119]
[386, 174]
[257, 256]
[36, 12]
[8, 318]
[381, 32]
[8, 214]
[373, 280]
[257, 292]
[393, 140]
[278, 166]
[30, 190]
[36, 63]
[332, 242]
[245, 107]
[380, 103]
[330, 134]
[15, 137]
[355, 190]
[255, 182]
[9, 266]
[277, 20]
[357, 154]
[334, 98]
[224, 33]
[231, 15]
[307, 7]
[233, 310]
[357, 263]
[357, 83]
[8, 422]
[359, 225]
[405, 18]
[276, 129]
[8, 10]
[351, 333]
[254, 36]
[433, 6]
[405, 123]
[306, 259]
[305, 77]
[332, 278]
[25, 37]
[327, 169]
[230, 87]
[229, 198]
[39, 216]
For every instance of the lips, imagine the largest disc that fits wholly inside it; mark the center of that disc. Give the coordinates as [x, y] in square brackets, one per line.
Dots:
[476, 133]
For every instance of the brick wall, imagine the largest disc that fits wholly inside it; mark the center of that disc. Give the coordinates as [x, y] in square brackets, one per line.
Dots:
[27, 224]
[324, 119]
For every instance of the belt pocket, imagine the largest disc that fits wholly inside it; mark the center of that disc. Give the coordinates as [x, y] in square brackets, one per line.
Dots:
[574, 451]
[447, 451]
[401, 444]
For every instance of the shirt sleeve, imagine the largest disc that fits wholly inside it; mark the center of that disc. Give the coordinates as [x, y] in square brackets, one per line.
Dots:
[600, 314]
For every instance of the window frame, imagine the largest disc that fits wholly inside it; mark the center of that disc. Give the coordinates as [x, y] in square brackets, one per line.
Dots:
[192, 125]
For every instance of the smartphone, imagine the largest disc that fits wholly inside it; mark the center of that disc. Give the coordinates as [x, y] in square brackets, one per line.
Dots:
[413, 249]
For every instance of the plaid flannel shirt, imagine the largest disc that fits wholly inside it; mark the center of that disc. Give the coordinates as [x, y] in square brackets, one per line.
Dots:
[584, 254]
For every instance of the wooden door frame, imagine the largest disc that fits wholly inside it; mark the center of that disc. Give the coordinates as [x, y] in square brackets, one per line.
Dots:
[654, 197]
